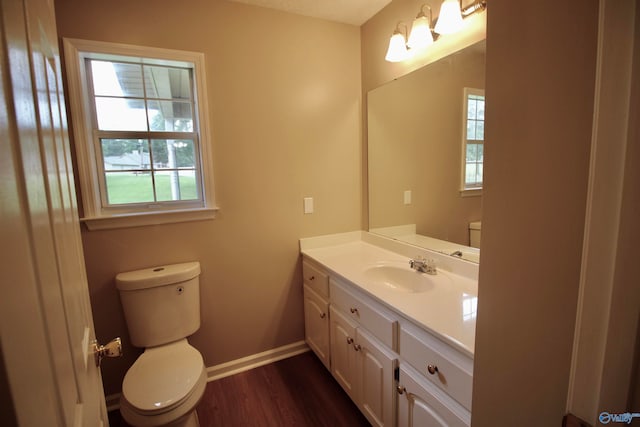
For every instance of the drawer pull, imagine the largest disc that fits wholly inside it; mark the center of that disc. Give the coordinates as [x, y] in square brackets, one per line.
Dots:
[323, 315]
[349, 340]
[357, 347]
[400, 389]
[312, 278]
[353, 310]
[432, 369]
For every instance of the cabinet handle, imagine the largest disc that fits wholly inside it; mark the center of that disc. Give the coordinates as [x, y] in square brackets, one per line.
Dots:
[357, 347]
[400, 389]
[432, 369]
[323, 315]
[353, 310]
[349, 340]
[312, 278]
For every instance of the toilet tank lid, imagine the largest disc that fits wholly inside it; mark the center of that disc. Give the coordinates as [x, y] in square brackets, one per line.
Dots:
[157, 276]
[476, 225]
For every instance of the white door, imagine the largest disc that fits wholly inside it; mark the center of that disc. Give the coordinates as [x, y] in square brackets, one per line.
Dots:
[375, 365]
[316, 325]
[343, 355]
[47, 325]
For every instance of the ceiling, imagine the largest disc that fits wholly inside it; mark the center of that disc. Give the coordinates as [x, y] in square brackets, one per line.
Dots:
[354, 12]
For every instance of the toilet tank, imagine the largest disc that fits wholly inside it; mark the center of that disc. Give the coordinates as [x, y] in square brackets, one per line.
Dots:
[475, 229]
[161, 304]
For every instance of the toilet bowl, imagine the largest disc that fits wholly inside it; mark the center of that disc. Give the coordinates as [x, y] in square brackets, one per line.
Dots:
[157, 391]
[165, 384]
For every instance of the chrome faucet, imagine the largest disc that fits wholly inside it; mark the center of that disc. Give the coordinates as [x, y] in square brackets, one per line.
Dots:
[423, 265]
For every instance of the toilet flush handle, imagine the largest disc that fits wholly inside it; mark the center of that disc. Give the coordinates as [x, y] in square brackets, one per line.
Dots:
[112, 349]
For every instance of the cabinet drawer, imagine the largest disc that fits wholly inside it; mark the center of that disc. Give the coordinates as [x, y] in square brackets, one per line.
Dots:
[315, 278]
[371, 316]
[422, 404]
[450, 370]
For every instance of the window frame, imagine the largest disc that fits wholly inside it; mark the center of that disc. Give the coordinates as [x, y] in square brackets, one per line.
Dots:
[96, 215]
[464, 190]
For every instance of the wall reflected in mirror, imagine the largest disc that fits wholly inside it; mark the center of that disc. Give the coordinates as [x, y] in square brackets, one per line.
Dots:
[415, 149]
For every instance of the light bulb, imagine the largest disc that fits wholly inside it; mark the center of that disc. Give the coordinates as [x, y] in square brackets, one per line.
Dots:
[397, 48]
[450, 18]
[420, 36]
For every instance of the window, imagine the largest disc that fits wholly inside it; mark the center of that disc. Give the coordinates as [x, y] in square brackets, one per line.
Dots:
[140, 130]
[472, 141]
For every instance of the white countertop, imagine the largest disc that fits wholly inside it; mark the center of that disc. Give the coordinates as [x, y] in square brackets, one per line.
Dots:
[448, 310]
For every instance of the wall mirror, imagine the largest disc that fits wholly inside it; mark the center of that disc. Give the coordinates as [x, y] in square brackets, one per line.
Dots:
[415, 163]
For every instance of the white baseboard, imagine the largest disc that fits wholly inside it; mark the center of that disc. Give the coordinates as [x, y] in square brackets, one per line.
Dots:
[259, 359]
[236, 366]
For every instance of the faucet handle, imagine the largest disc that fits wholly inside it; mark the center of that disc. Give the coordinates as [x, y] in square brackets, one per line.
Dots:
[430, 266]
[417, 262]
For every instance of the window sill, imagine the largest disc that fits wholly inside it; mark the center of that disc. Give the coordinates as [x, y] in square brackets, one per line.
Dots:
[471, 193]
[144, 219]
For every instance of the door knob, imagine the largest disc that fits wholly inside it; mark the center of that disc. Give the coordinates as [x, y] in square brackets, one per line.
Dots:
[112, 349]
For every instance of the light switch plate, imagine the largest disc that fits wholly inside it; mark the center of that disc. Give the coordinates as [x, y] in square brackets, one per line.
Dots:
[407, 197]
[308, 205]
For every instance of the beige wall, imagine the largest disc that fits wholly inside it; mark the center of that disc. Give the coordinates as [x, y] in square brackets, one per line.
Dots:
[284, 93]
[415, 143]
[539, 87]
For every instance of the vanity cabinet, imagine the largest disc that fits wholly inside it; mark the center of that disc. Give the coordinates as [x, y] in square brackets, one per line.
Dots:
[421, 404]
[316, 311]
[316, 325]
[434, 381]
[375, 367]
[363, 366]
[343, 354]
[438, 363]
[398, 373]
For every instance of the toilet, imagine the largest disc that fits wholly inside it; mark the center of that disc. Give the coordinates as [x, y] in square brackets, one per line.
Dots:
[475, 228]
[162, 308]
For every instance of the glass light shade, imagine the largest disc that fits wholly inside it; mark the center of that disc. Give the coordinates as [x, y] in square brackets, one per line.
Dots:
[420, 36]
[397, 48]
[450, 18]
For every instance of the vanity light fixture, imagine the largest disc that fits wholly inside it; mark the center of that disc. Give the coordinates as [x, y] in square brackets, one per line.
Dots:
[420, 35]
[397, 50]
[449, 21]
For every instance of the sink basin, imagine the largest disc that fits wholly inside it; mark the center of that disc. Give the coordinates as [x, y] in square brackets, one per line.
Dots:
[400, 279]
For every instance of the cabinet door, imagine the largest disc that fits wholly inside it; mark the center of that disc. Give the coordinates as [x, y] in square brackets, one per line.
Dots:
[421, 404]
[375, 365]
[316, 324]
[343, 354]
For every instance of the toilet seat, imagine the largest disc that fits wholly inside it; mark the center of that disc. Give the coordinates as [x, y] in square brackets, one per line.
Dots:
[163, 378]
[181, 415]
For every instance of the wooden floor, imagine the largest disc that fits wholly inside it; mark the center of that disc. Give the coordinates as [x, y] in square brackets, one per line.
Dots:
[298, 391]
